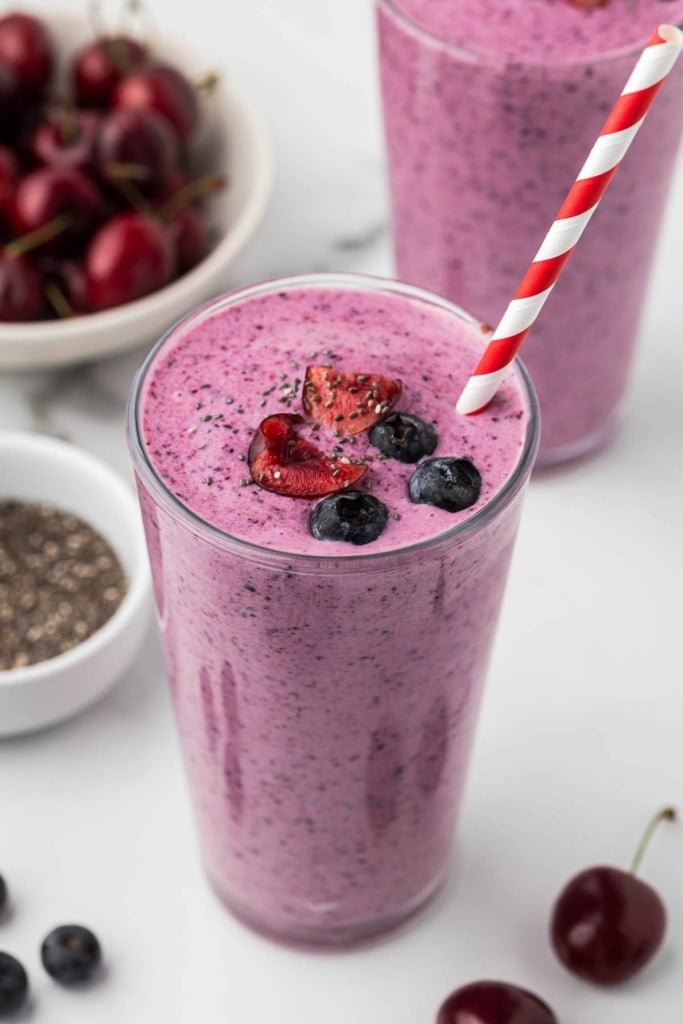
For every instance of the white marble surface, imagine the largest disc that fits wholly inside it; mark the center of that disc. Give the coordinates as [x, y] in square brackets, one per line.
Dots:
[580, 739]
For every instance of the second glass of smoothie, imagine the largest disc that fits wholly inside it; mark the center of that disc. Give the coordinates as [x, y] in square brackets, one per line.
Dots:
[325, 693]
[491, 107]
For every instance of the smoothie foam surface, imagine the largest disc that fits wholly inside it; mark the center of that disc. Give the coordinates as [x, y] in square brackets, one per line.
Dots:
[226, 369]
[551, 31]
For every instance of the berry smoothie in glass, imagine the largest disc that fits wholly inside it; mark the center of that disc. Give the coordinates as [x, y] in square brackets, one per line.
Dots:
[329, 542]
[490, 108]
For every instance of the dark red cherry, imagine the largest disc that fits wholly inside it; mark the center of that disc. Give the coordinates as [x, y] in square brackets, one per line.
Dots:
[129, 257]
[188, 235]
[164, 89]
[21, 294]
[607, 924]
[26, 46]
[66, 138]
[51, 192]
[64, 286]
[138, 145]
[99, 67]
[9, 175]
[494, 1002]
[587, 5]
[12, 102]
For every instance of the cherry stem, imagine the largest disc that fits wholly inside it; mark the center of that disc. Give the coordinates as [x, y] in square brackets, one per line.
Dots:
[207, 83]
[132, 194]
[58, 300]
[197, 189]
[666, 814]
[68, 122]
[127, 171]
[20, 246]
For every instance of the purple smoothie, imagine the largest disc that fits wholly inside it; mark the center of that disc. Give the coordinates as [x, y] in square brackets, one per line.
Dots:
[490, 110]
[325, 695]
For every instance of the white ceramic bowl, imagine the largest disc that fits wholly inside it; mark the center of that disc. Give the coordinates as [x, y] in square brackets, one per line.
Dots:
[36, 468]
[231, 139]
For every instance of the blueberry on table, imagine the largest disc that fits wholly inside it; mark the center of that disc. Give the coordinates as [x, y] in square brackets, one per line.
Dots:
[13, 984]
[494, 1002]
[607, 924]
[404, 437]
[350, 516]
[450, 484]
[70, 954]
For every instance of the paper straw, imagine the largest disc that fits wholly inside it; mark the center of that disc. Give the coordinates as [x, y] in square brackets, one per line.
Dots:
[619, 131]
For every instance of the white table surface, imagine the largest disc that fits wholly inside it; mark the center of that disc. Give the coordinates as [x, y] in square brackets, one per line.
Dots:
[580, 738]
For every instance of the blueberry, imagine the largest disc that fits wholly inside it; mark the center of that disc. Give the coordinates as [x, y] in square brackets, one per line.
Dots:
[349, 515]
[70, 954]
[3, 894]
[451, 484]
[13, 984]
[404, 437]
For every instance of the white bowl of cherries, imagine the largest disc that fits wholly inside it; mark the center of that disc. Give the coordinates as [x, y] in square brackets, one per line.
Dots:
[126, 189]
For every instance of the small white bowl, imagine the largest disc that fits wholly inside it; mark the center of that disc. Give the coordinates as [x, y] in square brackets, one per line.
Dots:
[36, 468]
[231, 139]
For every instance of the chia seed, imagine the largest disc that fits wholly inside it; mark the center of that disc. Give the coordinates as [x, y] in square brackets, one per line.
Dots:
[60, 581]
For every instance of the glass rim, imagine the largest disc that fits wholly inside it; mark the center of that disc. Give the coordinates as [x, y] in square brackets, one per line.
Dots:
[475, 55]
[145, 469]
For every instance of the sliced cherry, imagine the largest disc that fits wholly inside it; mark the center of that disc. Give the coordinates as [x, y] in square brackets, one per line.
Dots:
[138, 145]
[494, 1002]
[348, 403]
[282, 461]
[164, 89]
[98, 68]
[129, 257]
[66, 139]
[52, 192]
[25, 45]
[607, 924]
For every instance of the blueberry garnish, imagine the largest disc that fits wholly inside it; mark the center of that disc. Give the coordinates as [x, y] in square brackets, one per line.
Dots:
[351, 516]
[70, 954]
[451, 484]
[404, 437]
[13, 984]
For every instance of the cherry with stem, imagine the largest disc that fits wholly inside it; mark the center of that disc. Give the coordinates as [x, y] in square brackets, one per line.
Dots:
[607, 924]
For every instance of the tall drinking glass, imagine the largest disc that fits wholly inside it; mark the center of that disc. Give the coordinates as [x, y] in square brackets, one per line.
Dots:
[490, 110]
[325, 702]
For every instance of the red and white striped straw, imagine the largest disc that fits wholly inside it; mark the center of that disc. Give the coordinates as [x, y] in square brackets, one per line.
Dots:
[620, 128]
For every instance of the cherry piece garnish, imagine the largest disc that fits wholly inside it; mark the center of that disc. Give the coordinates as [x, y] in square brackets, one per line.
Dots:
[348, 403]
[607, 924]
[587, 5]
[51, 192]
[494, 1002]
[21, 294]
[99, 67]
[130, 256]
[166, 90]
[9, 175]
[66, 139]
[139, 145]
[25, 45]
[282, 461]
